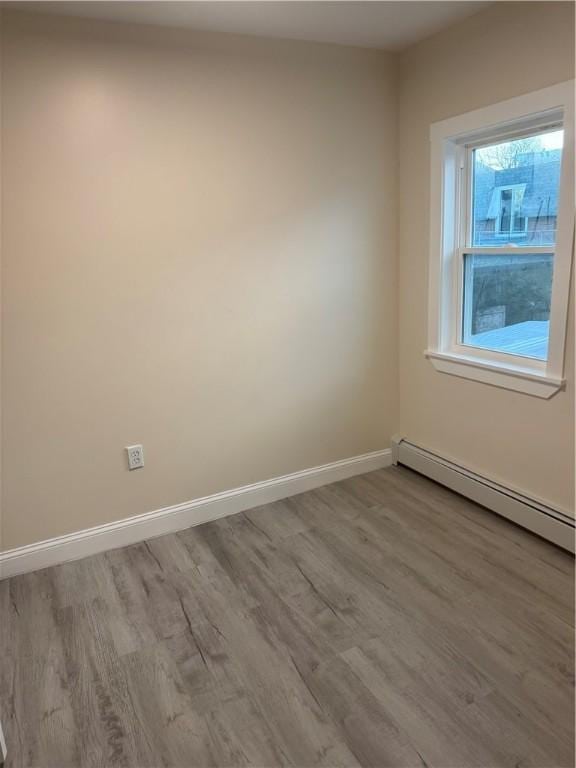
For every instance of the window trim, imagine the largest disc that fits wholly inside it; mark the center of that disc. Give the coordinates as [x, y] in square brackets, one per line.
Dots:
[450, 205]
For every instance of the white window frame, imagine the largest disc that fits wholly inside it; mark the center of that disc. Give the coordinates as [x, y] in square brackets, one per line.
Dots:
[452, 142]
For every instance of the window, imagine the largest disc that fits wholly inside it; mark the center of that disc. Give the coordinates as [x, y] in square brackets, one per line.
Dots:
[502, 201]
[507, 303]
[511, 222]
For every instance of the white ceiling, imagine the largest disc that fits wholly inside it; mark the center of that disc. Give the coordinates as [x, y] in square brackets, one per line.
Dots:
[386, 25]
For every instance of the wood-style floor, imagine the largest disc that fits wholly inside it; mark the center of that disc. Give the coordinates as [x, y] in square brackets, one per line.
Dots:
[379, 621]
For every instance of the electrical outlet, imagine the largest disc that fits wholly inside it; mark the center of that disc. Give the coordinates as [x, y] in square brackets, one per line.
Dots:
[135, 456]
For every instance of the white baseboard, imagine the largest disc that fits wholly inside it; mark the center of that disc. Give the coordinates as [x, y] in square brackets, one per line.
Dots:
[554, 524]
[131, 530]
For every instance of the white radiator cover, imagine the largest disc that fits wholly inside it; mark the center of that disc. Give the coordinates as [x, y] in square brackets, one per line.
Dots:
[548, 522]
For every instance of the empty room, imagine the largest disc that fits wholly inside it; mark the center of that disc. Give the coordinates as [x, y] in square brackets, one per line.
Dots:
[287, 384]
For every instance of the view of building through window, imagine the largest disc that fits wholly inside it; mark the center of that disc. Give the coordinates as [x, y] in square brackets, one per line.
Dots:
[514, 206]
[515, 191]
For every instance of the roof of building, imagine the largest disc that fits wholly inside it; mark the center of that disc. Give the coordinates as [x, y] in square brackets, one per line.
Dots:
[538, 176]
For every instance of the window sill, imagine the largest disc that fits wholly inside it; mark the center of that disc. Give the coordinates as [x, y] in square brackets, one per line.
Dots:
[495, 374]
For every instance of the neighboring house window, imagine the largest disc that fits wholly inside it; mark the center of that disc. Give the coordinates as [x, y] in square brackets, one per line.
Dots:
[511, 222]
[502, 202]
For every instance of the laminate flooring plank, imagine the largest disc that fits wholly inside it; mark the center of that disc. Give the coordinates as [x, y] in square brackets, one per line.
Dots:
[176, 732]
[272, 680]
[40, 690]
[276, 520]
[106, 722]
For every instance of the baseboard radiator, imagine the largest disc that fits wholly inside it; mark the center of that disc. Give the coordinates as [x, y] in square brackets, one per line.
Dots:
[548, 522]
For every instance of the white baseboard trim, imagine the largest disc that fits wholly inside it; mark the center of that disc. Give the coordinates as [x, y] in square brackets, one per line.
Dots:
[131, 530]
[549, 522]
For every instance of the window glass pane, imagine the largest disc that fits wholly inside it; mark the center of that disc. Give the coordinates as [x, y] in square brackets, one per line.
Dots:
[507, 303]
[515, 191]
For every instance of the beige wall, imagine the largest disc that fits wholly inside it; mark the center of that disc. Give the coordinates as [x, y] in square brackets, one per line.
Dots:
[198, 254]
[506, 50]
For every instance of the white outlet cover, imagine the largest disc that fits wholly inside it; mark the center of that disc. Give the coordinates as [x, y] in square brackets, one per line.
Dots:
[135, 456]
